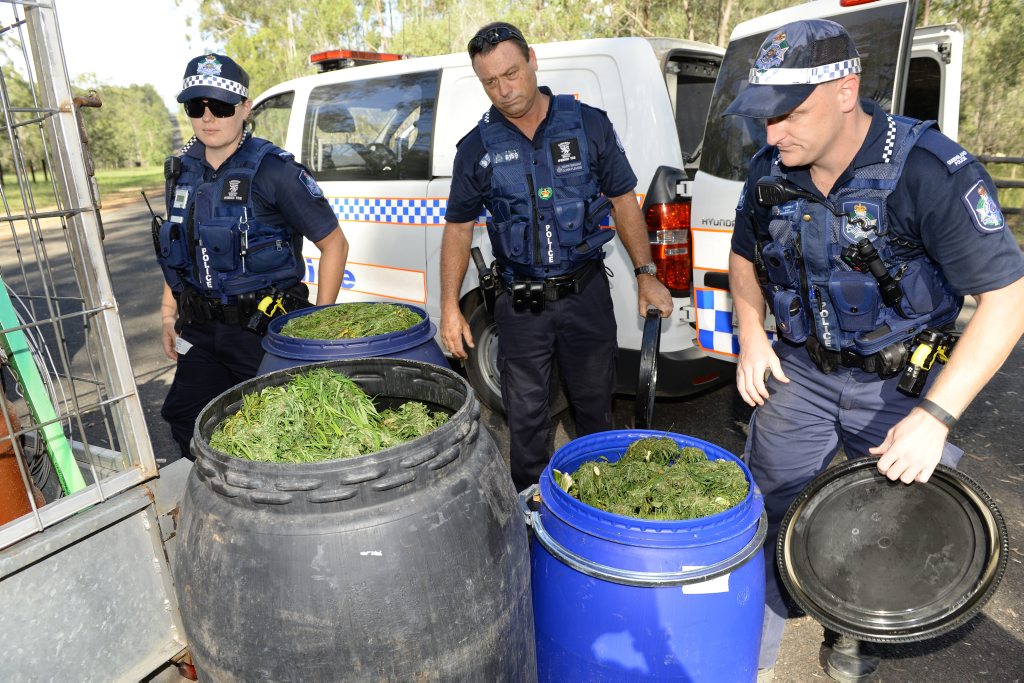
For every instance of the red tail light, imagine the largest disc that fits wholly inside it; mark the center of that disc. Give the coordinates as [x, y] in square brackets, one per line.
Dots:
[668, 227]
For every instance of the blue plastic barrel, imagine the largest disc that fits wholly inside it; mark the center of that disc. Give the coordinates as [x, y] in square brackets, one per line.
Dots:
[415, 343]
[617, 598]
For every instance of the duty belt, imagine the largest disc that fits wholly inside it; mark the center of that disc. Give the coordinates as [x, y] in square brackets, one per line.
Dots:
[193, 307]
[534, 293]
[886, 363]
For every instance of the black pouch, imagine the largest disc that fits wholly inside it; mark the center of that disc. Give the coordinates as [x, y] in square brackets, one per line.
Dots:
[790, 316]
[856, 300]
[781, 265]
[173, 249]
[520, 296]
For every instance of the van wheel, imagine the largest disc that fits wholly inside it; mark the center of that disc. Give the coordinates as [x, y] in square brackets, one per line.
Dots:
[482, 366]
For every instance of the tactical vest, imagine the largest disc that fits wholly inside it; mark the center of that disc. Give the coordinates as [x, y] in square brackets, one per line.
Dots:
[813, 289]
[545, 204]
[212, 241]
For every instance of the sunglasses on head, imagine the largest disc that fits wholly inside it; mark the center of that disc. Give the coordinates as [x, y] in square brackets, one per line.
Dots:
[222, 110]
[492, 36]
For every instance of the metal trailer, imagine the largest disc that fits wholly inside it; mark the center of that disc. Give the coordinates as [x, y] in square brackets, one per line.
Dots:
[85, 587]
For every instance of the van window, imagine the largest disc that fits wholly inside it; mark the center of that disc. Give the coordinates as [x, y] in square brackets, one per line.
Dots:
[373, 129]
[924, 89]
[730, 141]
[270, 118]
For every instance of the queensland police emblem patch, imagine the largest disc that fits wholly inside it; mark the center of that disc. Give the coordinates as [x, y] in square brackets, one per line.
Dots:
[209, 66]
[983, 208]
[773, 50]
[545, 193]
[860, 219]
[310, 183]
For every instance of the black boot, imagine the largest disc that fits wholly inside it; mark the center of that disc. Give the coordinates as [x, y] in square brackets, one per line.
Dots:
[847, 663]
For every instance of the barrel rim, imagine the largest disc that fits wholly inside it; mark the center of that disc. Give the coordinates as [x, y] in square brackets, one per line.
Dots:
[460, 425]
[296, 348]
[619, 528]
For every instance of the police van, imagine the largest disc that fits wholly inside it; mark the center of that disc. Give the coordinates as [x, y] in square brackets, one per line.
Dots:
[380, 139]
[911, 72]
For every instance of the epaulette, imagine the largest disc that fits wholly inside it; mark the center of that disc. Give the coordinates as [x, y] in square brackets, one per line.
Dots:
[951, 154]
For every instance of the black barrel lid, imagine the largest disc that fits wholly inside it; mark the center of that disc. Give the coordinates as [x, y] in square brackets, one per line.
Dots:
[886, 562]
[648, 378]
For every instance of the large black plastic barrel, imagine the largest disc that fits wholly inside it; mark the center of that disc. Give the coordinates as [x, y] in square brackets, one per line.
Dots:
[409, 564]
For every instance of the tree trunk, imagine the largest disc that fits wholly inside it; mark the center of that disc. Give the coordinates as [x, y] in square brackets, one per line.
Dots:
[724, 12]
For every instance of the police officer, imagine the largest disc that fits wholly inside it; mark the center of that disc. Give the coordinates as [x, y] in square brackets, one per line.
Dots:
[876, 228]
[238, 208]
[548, 169]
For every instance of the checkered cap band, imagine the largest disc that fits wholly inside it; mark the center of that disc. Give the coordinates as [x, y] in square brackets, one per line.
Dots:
[812, 75]
[216, 82]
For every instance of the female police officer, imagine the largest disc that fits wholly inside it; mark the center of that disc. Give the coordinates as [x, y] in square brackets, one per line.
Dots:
[238, 208]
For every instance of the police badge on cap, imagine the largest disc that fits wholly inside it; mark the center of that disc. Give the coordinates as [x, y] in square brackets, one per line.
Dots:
[216, 77]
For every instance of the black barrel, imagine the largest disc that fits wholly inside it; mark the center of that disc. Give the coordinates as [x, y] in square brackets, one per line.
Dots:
[409, 564]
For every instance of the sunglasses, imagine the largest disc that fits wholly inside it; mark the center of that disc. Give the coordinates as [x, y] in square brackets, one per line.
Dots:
[222, 110]
[492, 36]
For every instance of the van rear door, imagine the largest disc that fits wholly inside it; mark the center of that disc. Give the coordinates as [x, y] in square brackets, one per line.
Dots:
[882, 30]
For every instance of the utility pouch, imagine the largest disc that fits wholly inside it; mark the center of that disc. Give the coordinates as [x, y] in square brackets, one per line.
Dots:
[856, 300]
[790, 315]
[520, 296]
[536, 297]
[781, 264]
[598, 209]
[171, 245]
[922, 291]
[221, 240]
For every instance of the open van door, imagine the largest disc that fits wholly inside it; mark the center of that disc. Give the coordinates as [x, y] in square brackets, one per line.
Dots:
[882, 30]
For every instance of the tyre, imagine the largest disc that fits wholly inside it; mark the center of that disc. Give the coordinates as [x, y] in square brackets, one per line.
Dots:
[482, 365]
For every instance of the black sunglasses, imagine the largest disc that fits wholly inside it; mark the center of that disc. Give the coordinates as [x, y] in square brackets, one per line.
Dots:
[492, 36]
[222, 110]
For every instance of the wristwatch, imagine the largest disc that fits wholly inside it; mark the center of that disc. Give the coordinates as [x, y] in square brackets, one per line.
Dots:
[647, 268]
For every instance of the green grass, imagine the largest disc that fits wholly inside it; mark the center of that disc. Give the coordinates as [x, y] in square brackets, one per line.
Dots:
[114, 183]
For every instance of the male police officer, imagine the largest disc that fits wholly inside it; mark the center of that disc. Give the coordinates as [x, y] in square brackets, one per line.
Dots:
[237, 208]
[890, 224]
[548, 169]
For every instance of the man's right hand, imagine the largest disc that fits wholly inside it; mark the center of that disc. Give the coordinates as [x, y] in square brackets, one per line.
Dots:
[756, 360]
[455, 331]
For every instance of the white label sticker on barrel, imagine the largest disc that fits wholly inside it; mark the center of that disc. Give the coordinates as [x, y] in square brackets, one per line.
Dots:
[717, 585]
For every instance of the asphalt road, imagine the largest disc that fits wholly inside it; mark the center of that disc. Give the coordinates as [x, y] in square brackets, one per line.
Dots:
[989, 648]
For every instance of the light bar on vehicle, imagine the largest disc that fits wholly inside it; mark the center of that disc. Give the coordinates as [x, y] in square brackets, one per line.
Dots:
[329, 60]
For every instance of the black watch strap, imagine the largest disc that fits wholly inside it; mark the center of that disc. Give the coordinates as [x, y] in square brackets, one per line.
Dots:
[937, 411]
[648, 268]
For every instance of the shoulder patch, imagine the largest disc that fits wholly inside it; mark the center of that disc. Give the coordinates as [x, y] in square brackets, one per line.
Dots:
[951, 154]
[984, 209]
[306, 179]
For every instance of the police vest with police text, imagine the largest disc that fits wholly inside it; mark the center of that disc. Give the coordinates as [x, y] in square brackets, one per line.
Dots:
[212, 240]
[545, 204]
[813, 290]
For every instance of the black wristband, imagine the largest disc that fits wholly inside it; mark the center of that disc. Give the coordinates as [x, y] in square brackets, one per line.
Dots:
[936, 411]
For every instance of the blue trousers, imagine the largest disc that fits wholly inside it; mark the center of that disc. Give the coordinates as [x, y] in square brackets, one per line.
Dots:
[579, 330]
[795, 435]
[221, 356]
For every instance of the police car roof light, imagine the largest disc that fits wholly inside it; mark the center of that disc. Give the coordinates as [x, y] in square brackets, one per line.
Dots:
[329, 60]
[854, 3]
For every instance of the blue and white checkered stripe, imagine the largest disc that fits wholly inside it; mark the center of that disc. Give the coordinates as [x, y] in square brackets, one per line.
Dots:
[216, 82]
[714, 322]
[400, 211]
[813, 75]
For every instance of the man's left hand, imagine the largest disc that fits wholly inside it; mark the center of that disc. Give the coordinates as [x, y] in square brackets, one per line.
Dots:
[912, 448]
[653, 293]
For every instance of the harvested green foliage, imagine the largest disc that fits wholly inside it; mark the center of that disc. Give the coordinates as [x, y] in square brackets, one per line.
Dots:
[656, 479]
[351, 321]
[318, 415]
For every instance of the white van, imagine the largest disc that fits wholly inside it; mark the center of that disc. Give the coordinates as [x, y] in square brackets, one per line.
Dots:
[380, 140]
[913, 72]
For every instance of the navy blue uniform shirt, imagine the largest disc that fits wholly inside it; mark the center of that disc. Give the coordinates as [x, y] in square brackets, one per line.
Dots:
[931, 206]
[284, 193]
[471, 183]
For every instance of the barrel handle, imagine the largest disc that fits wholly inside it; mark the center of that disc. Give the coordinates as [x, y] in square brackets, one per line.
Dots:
[647, 579]
[524, 506]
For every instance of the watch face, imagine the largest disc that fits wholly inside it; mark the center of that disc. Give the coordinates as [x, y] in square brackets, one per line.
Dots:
[648, 268]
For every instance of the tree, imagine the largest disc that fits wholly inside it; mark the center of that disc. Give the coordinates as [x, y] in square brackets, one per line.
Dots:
[132, 127]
